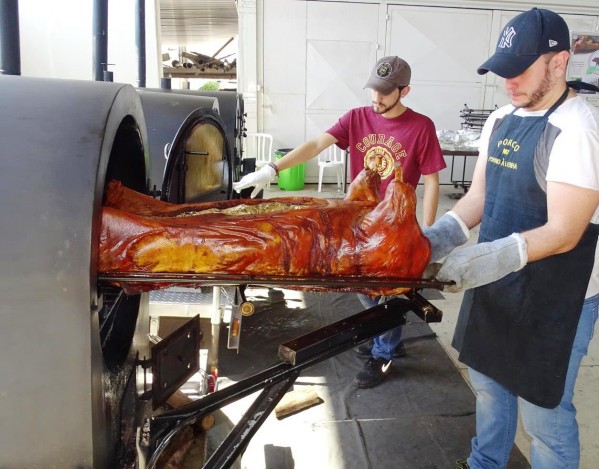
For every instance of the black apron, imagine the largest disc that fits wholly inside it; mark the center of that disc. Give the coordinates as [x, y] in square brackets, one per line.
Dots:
[520, 329]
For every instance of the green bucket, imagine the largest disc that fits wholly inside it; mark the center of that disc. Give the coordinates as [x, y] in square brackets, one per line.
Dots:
[290, 179]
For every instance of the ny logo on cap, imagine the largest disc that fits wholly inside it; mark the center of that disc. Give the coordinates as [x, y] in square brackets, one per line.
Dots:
[383, 70]
[552, 43]
[507, 37]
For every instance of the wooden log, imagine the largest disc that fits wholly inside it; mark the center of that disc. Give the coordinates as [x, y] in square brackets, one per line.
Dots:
[179, 399]
[297, 400]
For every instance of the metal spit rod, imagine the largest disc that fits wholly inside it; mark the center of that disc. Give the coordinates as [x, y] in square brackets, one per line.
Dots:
[340, 282]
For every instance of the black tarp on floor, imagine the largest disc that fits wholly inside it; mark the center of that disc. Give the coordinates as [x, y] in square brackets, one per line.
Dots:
[420, 417]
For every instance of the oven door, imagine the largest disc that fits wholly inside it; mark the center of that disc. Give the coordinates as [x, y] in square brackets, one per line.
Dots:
[199, 161]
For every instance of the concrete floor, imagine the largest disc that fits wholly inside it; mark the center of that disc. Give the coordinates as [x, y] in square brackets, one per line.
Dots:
[586, 397]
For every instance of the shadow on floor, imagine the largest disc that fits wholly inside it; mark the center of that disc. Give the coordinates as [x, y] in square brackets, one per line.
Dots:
[421, 416]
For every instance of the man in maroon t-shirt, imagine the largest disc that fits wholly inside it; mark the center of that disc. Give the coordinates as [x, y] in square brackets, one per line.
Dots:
[381, 134]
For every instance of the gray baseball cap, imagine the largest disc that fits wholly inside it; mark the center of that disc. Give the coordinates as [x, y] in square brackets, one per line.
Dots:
[388, 74]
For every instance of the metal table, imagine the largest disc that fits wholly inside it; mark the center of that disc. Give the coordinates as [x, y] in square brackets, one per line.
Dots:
[464, 153]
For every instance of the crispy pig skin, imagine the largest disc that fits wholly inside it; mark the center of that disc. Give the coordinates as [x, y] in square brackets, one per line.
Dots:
[288, 236]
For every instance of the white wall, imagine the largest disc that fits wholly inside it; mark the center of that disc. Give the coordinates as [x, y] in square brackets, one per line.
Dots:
[560, 6]
[57, 36]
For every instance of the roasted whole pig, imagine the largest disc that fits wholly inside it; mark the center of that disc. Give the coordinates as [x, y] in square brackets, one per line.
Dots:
[359, 236]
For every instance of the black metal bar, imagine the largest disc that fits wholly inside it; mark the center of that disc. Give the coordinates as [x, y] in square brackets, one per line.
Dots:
[211, 402]
[368, 323]
[238, 439]
[166, 425]
[10, 49]
[140, 41]
[425, 310]
[100, 39]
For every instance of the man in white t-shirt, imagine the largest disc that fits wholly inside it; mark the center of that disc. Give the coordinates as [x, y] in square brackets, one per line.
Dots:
[531, 283]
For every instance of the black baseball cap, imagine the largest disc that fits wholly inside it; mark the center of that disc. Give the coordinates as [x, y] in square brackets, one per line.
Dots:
[524, 39]
[388, 74]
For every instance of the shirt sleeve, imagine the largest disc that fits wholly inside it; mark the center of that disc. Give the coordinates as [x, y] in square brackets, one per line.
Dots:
[574, 159]
[341, 130]
[431, 159]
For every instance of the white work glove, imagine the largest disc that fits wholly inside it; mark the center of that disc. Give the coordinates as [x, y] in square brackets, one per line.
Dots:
[259, 178]
[447, 233]
[483, 263]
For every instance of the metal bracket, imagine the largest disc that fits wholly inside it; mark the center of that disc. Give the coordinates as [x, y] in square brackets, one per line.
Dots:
[234, 336]
[174, 360]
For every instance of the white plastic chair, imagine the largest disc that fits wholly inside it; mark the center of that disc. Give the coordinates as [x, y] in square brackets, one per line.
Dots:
[259, 146]
[332, 157]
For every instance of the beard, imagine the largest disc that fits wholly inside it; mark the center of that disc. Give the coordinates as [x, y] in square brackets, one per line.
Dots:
[537, 95]
[380, 109]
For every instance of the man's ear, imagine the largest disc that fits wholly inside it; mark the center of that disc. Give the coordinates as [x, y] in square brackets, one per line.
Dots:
[561, 63]
[405, 91]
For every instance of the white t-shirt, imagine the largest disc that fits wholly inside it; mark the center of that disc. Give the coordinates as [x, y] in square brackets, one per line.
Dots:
[574, 157]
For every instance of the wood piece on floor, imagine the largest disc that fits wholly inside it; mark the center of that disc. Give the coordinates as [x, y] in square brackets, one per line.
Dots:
[297, 400]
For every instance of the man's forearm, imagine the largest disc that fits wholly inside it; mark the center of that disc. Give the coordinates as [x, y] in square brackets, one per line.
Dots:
[430, 200]
[569, 211]
[470, 208]
[306, 151]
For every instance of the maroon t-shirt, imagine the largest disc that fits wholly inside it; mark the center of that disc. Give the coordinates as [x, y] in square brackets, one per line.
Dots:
[409, 138]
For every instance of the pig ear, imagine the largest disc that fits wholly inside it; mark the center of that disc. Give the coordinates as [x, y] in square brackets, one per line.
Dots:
[398, 171]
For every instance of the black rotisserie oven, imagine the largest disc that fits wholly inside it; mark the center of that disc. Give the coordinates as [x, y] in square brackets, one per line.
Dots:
[73, 391]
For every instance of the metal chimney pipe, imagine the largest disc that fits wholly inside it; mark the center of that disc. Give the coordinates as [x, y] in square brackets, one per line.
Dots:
[100, 42]
[140, 41]
[10, 49]
[107, 75]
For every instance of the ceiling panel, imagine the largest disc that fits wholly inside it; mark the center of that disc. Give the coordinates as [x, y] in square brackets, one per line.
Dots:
[187, 22]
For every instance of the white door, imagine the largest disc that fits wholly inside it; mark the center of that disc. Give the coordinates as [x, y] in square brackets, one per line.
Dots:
[317, 58]
[444, 47]
[282, 103]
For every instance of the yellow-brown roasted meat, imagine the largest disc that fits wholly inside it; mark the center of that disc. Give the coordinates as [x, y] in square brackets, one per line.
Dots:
[358, 236]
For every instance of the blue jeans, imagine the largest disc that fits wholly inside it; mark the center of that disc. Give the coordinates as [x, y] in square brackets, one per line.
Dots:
[554, 432]
[384, 345]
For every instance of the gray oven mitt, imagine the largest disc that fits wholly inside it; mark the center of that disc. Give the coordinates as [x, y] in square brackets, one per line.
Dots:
[483, 263]
[259, 178]
[447, 233]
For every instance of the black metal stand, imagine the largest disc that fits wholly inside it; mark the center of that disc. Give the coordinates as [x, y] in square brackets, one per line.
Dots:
[296, 355]
[460, 183]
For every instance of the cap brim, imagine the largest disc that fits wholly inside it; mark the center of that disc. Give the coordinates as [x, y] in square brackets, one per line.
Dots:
[507, 65]
[380, 86]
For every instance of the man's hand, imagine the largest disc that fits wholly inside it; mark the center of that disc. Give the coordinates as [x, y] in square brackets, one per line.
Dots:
[447, 233]
[259, 178]
[483, 263]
